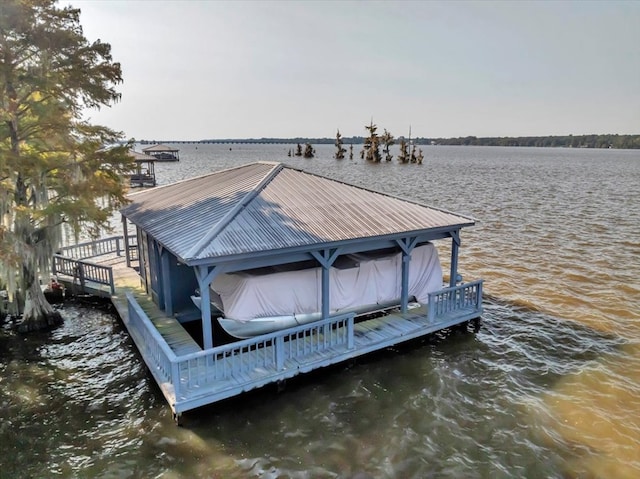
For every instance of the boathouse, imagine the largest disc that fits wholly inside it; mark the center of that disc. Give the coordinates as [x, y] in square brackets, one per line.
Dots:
[163, 152]
[144, 174]
[264, 215]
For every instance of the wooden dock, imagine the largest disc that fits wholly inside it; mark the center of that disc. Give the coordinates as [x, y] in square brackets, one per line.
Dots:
[126, 280]
[190, 377]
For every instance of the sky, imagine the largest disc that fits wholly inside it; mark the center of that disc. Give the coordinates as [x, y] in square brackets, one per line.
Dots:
[197, 70]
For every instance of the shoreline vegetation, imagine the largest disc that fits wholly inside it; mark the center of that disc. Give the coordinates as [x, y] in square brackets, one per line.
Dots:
[570, 141]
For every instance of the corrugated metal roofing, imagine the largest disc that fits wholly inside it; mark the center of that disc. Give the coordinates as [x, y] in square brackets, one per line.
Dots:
[137, 156]
[159, 148]
[269, 206]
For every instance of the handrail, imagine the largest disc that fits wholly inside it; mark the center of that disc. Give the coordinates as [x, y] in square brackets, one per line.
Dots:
[455, 298]
[267, 355]
[158, 352]
[269, 352]
[331, 320]
[142, 316]
[83, 270]
[90, 249]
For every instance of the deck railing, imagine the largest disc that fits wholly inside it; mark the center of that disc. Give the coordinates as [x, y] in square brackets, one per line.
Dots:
[159, 357]
[83, 271]
[467, 296]
[71, 261]
[272, 353]
[90, 249]
[251, 359]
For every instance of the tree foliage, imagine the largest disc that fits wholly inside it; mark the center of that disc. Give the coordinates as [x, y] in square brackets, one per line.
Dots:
[54, 167]
[387, 140]
[309, 152]
[340, 151]
[372, 144]
[403, 156]
[575, 141]
[569, 141]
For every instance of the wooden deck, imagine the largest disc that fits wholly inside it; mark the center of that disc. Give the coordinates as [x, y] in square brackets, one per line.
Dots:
[190, 377]
[307, 349]
[126, 280]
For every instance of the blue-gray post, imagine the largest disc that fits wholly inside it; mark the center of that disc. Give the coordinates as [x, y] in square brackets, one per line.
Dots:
[205, 277]
[325, 291]
[326, 258]
[454, 261]
[126, 241]
[404, 298]
[165, 265]
[205, 309]
[175, 377]
[112, 286]
[279, 344]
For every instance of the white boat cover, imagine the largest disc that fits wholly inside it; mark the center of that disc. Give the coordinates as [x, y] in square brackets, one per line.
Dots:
[369, 279]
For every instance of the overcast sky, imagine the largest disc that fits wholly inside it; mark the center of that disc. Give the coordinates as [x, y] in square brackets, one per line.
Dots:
[214, 69]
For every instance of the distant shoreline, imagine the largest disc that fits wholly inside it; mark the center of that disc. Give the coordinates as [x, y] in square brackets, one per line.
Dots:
[570, 141]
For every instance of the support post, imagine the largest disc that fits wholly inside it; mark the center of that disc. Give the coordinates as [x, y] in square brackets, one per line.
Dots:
[406, 245]
[112, 285]
[205, 276]
[325, 292]
[455, 243]
[404, 295]
[205, 310]
[165, 264]
[326, 258]
[126, 240]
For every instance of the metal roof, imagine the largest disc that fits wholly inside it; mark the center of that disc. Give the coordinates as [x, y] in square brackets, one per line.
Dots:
[159, 148]
[270, 206]
[137, 156]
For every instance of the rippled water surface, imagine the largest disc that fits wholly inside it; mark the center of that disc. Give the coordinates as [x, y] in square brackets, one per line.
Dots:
[549, 386]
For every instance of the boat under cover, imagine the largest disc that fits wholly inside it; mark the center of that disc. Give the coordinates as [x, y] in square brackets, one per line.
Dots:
[260, 301]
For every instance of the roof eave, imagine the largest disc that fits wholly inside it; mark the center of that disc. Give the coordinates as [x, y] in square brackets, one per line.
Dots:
[373, 242]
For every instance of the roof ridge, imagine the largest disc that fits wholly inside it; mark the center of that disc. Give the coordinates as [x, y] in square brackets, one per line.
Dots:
[233, 212]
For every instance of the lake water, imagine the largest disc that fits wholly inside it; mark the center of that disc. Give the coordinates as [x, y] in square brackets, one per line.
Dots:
[548, 388]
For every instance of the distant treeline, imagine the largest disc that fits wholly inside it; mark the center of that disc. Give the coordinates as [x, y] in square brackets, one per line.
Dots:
[571, 141]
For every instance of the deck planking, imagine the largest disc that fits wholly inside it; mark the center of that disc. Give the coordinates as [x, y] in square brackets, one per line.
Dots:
[126, 279]
[369, 335]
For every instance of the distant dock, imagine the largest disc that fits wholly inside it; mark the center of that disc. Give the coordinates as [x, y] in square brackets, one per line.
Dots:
[162, 152]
